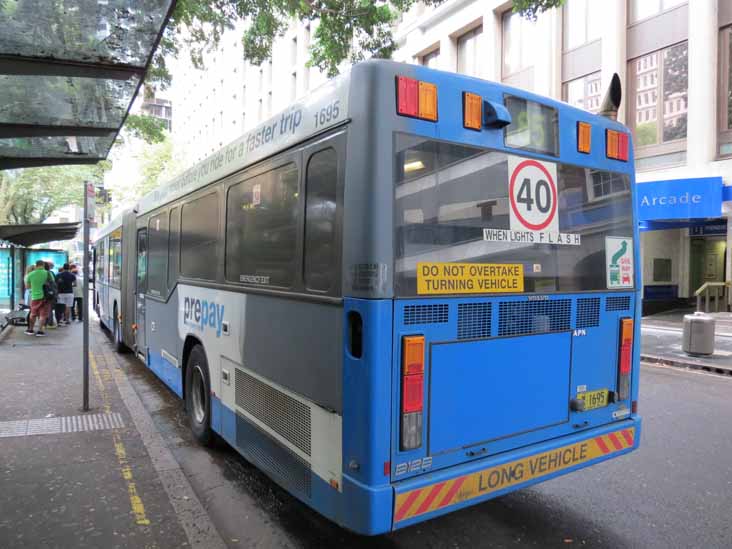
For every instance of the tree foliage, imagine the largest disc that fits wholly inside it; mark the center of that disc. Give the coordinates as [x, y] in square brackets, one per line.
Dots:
[32, 195]
[148, 128]
[347, 30]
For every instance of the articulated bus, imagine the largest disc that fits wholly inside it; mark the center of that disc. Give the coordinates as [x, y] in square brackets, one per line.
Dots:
[411, 292]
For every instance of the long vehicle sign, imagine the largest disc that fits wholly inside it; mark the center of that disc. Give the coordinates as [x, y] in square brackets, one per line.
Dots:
[420, 501]
[325, 107]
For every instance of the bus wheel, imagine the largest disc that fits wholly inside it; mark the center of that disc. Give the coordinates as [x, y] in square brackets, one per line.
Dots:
[119, 346]
[198, 396]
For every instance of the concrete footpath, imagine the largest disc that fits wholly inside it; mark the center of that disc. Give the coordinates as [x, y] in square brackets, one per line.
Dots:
[103, 478]
[662, 341]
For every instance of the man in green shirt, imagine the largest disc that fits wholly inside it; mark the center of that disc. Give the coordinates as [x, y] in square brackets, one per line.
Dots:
[35, 281]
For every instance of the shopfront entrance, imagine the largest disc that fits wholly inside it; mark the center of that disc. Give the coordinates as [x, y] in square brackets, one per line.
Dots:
[683, 239]
[706, 260]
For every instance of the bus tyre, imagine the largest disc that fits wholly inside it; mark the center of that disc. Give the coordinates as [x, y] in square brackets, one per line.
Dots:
[198, 396]
[119, 346]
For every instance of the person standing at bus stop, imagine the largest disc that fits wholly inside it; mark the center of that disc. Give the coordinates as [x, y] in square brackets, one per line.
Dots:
[65, 281]
[77, 311]
[35, 280]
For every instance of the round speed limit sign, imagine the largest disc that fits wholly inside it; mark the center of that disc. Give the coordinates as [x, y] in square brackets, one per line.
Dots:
[532, 190]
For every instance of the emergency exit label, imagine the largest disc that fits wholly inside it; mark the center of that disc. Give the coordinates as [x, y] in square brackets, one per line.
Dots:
[469, 278]
[534, 199]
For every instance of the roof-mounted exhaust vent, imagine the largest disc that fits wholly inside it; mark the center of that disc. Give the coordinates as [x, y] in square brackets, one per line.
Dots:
[611, 102]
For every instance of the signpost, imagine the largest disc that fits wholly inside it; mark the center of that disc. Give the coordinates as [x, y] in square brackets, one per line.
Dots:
[89, 206]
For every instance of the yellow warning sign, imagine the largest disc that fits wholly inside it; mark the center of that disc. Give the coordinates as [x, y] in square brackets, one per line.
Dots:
[469, 278]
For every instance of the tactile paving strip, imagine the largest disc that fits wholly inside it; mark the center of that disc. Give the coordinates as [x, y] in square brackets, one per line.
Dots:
[59, 425]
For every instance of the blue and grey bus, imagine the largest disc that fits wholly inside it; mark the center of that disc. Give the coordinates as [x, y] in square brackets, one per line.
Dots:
[408, 293]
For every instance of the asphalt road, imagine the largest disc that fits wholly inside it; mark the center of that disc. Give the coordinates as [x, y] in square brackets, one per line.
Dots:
[676, 491]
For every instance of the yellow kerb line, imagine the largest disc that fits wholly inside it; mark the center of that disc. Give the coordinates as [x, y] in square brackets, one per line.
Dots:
[138, 508]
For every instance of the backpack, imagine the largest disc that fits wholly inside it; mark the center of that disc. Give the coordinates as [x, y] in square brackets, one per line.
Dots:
[50, 290]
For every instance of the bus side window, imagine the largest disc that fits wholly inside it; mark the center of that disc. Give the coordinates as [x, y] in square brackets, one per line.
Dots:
[200, 234]
[173, 247]
[157, 255]
[261, 228]
[320, 220]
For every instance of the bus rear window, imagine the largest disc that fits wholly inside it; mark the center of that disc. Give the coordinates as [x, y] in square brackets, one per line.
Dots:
[448, 195]
[534, 127]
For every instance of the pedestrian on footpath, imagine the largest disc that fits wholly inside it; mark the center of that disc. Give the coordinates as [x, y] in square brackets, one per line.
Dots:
[51, 293]
[77, 311]
[65, 281]
[26, 288]
[36, 280]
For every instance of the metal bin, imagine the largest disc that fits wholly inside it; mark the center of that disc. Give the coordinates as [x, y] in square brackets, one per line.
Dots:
[698, 338]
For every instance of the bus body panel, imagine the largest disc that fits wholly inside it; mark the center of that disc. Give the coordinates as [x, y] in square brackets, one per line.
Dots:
[163, 341]
[485, 392]
[441, 492]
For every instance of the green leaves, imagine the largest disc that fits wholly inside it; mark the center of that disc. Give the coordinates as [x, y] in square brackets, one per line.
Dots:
[531, 9]
[147, 128]
[32, 195]
[344, 30]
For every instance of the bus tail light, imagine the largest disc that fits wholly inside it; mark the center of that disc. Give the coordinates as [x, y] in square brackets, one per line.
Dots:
[584, 137]
[472, 111]
[416, 99]
[625, 358]
[427, 101]
[412, 392]
[616, 145]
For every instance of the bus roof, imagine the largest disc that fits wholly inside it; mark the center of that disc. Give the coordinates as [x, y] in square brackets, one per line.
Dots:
[323, 108]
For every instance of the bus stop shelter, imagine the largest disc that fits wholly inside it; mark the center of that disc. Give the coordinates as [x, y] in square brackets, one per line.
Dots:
[14, 254]
[69, 71]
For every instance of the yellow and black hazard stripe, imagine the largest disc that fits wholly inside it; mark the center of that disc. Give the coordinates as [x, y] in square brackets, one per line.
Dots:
[413, 503]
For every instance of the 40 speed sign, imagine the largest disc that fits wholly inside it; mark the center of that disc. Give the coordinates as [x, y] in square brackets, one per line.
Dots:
[532, 190]
[534, 205]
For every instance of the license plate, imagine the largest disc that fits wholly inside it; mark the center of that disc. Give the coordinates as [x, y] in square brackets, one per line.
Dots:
[594, 399]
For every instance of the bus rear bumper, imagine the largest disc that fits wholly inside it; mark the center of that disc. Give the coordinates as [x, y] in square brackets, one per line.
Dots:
[444, 491]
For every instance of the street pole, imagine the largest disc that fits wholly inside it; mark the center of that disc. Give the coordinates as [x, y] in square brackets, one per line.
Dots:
[88, 215]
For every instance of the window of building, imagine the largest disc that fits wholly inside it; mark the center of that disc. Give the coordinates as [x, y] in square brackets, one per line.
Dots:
[665, 91]
[582, 23]
[468, 57]
[115, 258]
[643, 9]
[431, 59]
[725, 93]
[519, 43]
[173, 246]
[606, 184]
[199, 235]
[320, 220]
[261, 228]
[661, 269]
[157, 262]
[584, 93]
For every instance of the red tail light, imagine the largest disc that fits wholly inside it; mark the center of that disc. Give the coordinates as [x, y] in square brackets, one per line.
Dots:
[412, 391]
[407, 96]
[416, 98]
[625, 358]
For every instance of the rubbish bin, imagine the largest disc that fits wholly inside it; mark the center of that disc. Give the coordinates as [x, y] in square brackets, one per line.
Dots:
[698, 334]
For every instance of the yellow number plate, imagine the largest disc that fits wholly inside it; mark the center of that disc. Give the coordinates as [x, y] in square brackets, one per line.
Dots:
[594, 399]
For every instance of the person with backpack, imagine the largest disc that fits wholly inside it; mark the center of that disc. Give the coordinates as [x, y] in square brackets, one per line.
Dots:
[65, 281]
[37, 281]
[50, 291]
